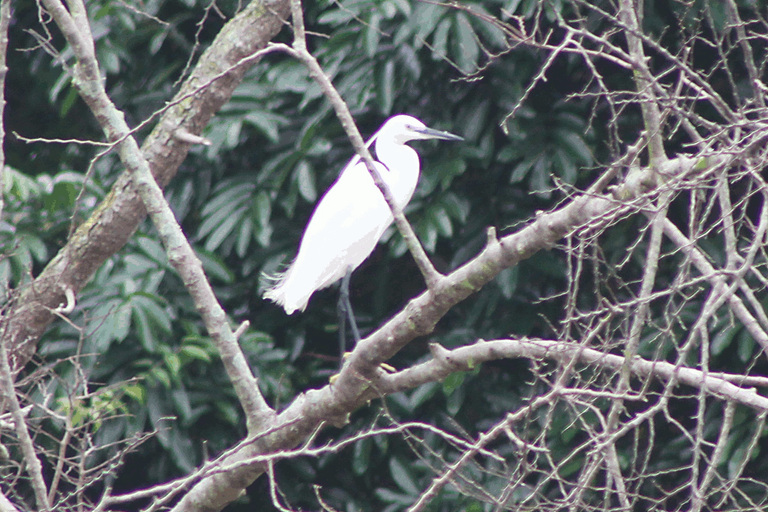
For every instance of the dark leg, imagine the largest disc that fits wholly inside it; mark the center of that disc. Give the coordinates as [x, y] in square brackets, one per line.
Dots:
[345, 313]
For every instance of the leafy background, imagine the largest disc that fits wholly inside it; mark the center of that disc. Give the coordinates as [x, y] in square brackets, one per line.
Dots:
[245, 199]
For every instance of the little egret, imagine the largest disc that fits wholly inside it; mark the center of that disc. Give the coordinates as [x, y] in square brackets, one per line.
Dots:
[352, 215]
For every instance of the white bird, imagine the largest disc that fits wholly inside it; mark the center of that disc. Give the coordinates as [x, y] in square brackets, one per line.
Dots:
[352, 215]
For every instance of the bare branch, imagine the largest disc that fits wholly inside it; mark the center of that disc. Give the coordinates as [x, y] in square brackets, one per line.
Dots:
[465, 358]
[11, 402]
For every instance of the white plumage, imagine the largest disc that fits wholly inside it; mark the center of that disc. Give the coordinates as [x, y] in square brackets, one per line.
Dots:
[352, 215]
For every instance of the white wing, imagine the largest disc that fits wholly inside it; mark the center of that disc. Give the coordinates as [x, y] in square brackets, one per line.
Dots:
[342, 232]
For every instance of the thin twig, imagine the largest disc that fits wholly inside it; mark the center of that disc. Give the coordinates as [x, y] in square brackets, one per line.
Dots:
[5, 21]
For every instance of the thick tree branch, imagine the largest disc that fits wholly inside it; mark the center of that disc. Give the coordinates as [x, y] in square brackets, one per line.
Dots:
[727, 386]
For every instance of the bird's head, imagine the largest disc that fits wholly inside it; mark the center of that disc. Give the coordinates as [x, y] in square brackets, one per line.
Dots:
[402, 129]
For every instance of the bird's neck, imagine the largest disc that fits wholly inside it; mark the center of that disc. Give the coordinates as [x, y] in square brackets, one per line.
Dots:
[402, 174]
[398, 158]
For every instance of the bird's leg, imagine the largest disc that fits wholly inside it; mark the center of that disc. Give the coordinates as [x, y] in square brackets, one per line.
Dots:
[345, 312]
[342, 329]
[348, 305]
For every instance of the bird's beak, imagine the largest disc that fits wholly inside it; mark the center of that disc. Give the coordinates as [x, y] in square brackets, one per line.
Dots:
[429, 133]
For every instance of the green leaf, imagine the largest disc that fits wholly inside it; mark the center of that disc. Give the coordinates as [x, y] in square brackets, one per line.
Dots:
[402, 476]
[428, 235]
[409, 61]
[263, 206]
[456, 207]
[335, 17]
[159, 376]
[568, 170]
[234, 127]
[34, 245]
[244, 237]
[746, 346]
[220, 212]
[143, 328]
[230, 194]
[173, 363]
[491, 31]
[152, 248]
[267, 123]
[121, 322]
[421, 394]
[155, 311]
[361, 456]
[386, 87]
[425, 18]
[575, 145]
[69, 100]
[540, 178]
[388, 496]
[5, 278]
[440, 41]
[522, 169]
[442, 220]
[722, 340]
[452, 382]
[225, 228]
[507, 281]
[215, 266]
[305, 178]
[136, 392]
[20, 185]
[195, 352]
[372, 34]
[157, 41]
[455, 400]
[228, 412]
[319, 146]
[404, 6]
[105, 326]
[468, 51]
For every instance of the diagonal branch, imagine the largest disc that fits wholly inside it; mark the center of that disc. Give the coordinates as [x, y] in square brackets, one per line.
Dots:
[644, 79]
[10, 402]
